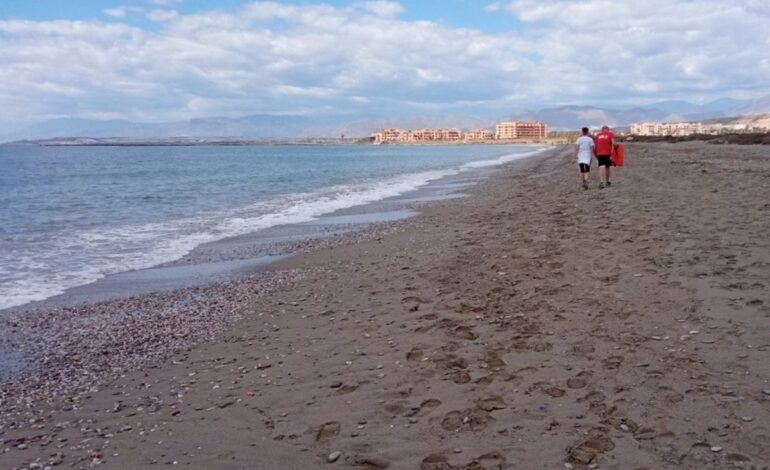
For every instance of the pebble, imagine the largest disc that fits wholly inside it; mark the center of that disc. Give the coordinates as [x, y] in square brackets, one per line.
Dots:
[457, 450]
[334, 456]
[624, 428]
[747, 419]
[76, 362]
[716, 449]
[766, 391]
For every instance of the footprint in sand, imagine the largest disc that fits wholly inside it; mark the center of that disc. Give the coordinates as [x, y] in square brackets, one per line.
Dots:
[669, 395]
[488, 461]
[415, 354]
[459, 377]
[455, 367]
[492, 359]
[579, 381]
[463, 332]
[473, 419]
[436, 462]
[612, 362]
[491, 403]
[585, 451]
[327, 431]
[425, 408]
[548, 389]
[583, 349]
[345, 389]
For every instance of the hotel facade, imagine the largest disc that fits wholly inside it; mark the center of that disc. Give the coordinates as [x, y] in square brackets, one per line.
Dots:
[521, 130]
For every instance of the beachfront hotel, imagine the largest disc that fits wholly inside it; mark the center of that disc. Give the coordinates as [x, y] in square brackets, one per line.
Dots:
[521, 130]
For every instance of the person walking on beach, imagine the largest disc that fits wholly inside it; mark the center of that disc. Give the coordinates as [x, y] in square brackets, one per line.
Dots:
[605, 141]
[584, 151]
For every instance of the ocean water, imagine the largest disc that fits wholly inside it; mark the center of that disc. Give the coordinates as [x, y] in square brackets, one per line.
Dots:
[72, 215]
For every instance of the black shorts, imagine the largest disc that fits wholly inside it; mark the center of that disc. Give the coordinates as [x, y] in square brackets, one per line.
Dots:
[584, 167]
[604, 160]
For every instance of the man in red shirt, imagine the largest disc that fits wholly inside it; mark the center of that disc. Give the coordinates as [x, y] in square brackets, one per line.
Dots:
[605, 141]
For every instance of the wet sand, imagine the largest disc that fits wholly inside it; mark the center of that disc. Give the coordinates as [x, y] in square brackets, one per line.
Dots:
[531, 325]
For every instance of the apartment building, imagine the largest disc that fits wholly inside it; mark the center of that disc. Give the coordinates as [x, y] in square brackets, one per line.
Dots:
[521, 130]
[663, 129]
[418, 135]
[479, 134]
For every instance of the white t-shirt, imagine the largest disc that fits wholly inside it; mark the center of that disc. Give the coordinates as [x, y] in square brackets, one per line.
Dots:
[585, 149]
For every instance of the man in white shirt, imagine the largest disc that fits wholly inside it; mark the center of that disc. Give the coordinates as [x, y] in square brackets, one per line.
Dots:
[584, 151]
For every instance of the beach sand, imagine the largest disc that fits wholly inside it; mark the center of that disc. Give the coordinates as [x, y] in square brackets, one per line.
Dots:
[530, 325]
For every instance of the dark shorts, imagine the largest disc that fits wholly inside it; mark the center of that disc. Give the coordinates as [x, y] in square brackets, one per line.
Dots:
[604, 160]
[584, 167]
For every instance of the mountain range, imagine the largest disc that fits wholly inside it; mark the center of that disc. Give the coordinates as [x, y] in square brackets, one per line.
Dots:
[269, 126]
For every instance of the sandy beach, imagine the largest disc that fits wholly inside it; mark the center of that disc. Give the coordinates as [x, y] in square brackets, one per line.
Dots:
[530, 325]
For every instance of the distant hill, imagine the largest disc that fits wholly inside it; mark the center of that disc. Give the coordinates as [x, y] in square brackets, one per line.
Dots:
[269, 126]
[574, 117]
[754, 120]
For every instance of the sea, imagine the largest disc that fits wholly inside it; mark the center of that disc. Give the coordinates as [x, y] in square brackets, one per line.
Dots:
[70, 216]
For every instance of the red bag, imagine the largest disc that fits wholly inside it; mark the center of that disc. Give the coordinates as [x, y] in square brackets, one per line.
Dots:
[618, 152]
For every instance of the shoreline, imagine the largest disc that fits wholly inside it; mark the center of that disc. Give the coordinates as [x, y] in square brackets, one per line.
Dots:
[151, 289]
[79, 286]
[236, 255]
[515, 325]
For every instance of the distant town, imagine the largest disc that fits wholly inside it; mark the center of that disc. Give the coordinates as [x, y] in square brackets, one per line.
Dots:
[504, 131]
[537, 132]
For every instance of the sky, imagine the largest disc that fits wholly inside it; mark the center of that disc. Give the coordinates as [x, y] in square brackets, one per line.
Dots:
[165, 60]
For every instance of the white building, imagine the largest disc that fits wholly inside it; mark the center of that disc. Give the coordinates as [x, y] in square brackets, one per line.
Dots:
[665, 128]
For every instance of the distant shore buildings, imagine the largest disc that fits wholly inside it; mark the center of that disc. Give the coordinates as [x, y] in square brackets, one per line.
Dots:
[504, 131]
[663, 129]
[521, 130]
[680, 129]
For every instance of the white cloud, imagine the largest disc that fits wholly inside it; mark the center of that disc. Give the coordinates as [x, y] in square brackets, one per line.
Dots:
[278, 57]
[161, 16]
[164, 3]
[119, 12]
[123, 11]
[381, 8]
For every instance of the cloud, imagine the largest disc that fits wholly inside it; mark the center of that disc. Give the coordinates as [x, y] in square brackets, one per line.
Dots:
[381, 8]
[366, 58]
[161, 16]
[119, 12]
[164, 3]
